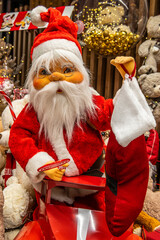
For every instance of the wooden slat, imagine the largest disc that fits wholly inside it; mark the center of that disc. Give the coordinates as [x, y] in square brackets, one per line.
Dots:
[152, 7]
[138, 59]
[109, 79]
[84, 54]
[23, 75]
[117, 82]
[1, 6]
[43, 2]
[28, 48]
[15, 37]
[19, 48]
[99, 74]
[36, 3]
[92, 68]
[31, 4]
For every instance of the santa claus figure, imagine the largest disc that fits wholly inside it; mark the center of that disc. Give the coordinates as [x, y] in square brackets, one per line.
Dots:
[65, 115]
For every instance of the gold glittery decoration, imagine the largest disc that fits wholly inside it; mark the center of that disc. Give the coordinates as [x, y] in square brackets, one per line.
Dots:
[108, 44]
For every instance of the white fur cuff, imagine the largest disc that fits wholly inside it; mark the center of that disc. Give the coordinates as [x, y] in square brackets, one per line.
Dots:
[37, 161]
[72, 169]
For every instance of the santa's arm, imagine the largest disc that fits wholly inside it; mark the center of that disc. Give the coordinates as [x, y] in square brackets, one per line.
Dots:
[22, 143]
[103, 112]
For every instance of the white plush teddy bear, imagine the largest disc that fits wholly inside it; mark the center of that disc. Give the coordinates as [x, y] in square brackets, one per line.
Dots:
[19, 194]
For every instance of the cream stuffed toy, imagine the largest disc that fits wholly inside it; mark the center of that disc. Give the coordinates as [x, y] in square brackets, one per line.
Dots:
[150, 49]
[18, 194]
[111, 18]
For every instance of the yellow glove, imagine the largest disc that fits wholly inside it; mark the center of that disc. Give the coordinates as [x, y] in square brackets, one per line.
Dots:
[56, 174]
[128, 62]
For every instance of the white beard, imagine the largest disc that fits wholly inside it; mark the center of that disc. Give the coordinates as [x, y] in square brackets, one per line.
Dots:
[57, 111]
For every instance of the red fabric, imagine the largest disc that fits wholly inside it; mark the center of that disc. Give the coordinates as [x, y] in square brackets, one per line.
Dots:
[155, 235]
[152, 146]
[10, 165]
[59, 27]
[93, 201]
[129, 168]
[133, 237]
[86, 145]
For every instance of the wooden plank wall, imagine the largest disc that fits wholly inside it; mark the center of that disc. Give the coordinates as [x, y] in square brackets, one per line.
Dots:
[104, 77]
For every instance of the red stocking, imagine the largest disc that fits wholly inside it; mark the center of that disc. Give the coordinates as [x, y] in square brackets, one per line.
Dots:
[127, 178]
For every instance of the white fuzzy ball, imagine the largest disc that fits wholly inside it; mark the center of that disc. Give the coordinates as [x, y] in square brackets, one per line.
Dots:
[35, 16]
[16, 203]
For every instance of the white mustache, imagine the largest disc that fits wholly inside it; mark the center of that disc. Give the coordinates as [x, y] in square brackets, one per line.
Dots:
[66, 87]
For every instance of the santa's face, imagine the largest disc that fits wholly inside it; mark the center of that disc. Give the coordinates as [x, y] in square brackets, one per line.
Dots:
[57, 72]
[60, 93]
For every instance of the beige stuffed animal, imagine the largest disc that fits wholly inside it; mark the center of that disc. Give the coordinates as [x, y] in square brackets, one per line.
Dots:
[151, 203]
[150, 49]
[150, 86]
[149, 218]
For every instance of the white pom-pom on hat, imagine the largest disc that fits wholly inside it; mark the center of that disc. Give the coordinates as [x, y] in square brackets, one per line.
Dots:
[35, 16]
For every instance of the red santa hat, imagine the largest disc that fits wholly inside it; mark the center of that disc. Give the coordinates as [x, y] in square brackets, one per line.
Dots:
[61, 33]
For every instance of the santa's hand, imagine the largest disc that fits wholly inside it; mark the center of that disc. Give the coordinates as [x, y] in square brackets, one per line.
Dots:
[56, 174]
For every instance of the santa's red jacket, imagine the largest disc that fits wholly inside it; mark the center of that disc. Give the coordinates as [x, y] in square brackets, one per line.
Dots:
[33, 151]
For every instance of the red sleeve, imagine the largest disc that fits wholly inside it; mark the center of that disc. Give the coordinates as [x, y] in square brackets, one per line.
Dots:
[104, 109]
[152, 146]
[23, 136]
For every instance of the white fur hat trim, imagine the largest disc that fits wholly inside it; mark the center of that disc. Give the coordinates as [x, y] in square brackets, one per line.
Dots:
[36, 17]
[56, 44]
